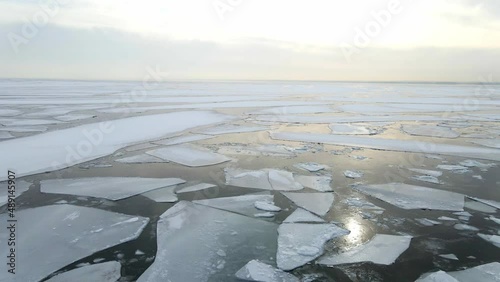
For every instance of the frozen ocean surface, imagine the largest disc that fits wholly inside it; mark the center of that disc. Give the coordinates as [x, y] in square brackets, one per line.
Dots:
[263, 181]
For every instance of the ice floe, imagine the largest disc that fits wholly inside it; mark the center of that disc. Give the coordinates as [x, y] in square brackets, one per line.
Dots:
[24, 129]
[427, 222]
[318, 203]
[359, 203]
[446, 218]
[391, 144]
[261, 150]
[139, 159]
[23, 122]
[112, 188]
[102, 272]
[283, 180]
[73, 117]
[255, 270]
[465, 227]
[301, 215]
[230, 128]
[183, 139]
[353, 174]
[449, 256]
[266, 206]
[9, 112]
[295, 110]
[319, 183]
[188, 155]
[492, 143]
[427, 178]
[69, 233]
[191, 239]
[264, 214]
[434, 173]
[300, 243]
[494, 239]
[492, 203]
[244, 204]
[139, 147]
[474, 163]
[54, 150]
[312, 167]
[349, 129]
[193, 188]
[414, 197]
[484, 273]
[21, 186]
[430, 130]
[391, 246]
[454, 168]
[439, 276]
[5, 135]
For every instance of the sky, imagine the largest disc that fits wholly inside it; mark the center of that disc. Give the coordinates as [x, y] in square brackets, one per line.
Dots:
[370, 40]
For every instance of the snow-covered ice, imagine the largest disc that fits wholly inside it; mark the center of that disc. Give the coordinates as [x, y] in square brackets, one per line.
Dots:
[414, 197]
[349, 129]
[101, 272]
[353, 174]
[112, 188]
[188, 155]
[318, 203]
[301, 215]
[196, 187]
[300, 243]
[391, 246]
[190, 238]
[67, 233]
[258, 271]
[66, 147]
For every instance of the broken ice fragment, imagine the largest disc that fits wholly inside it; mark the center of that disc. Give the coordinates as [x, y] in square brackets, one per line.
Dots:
[301, 215]
[494, 204]
[164, 195]
[66, 232]
[312, 167]
[353, 174]
[283, 180]
[447, 218]
[244, 204]
[264, 214]
[439, 276]
[193, 188]
[494, 239]
[474, 163]
[255, 270]
[188, 155]
[318, 203]
[427, 178]
[190, 238]
[230, 128]
[112, 188]
[492, 143]
[268, 179]
[266, 206]
[427, 172]
[449, 256]
[484, 273]
[320, 183]
[357, 202]
[427, 222]
[465, 227]
[350, 129]
[21, 187]
[454, 168]
[381, 249]
[102, 272]
[300, 243]
[5, 135]
[414, 197]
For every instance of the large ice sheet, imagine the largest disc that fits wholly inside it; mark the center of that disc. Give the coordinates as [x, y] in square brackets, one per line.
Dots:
[34, 128]
[101, 272]
[9, 112]
[244, 204]
[142, 158]
[318, 203]
[21, 186]
[188, 155]
[197, 187]
[492, 143]
[58, 235]
[439, 276]
[230, 128]
[391, 144]
[63, 148]
[300, 243]
[353, 119]
[381, 249]
[255, 270]
[163, 195]
[283, 180]
[183, 139]
[112, 188]
[429, 130]
[414, 197]
[199, 243]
